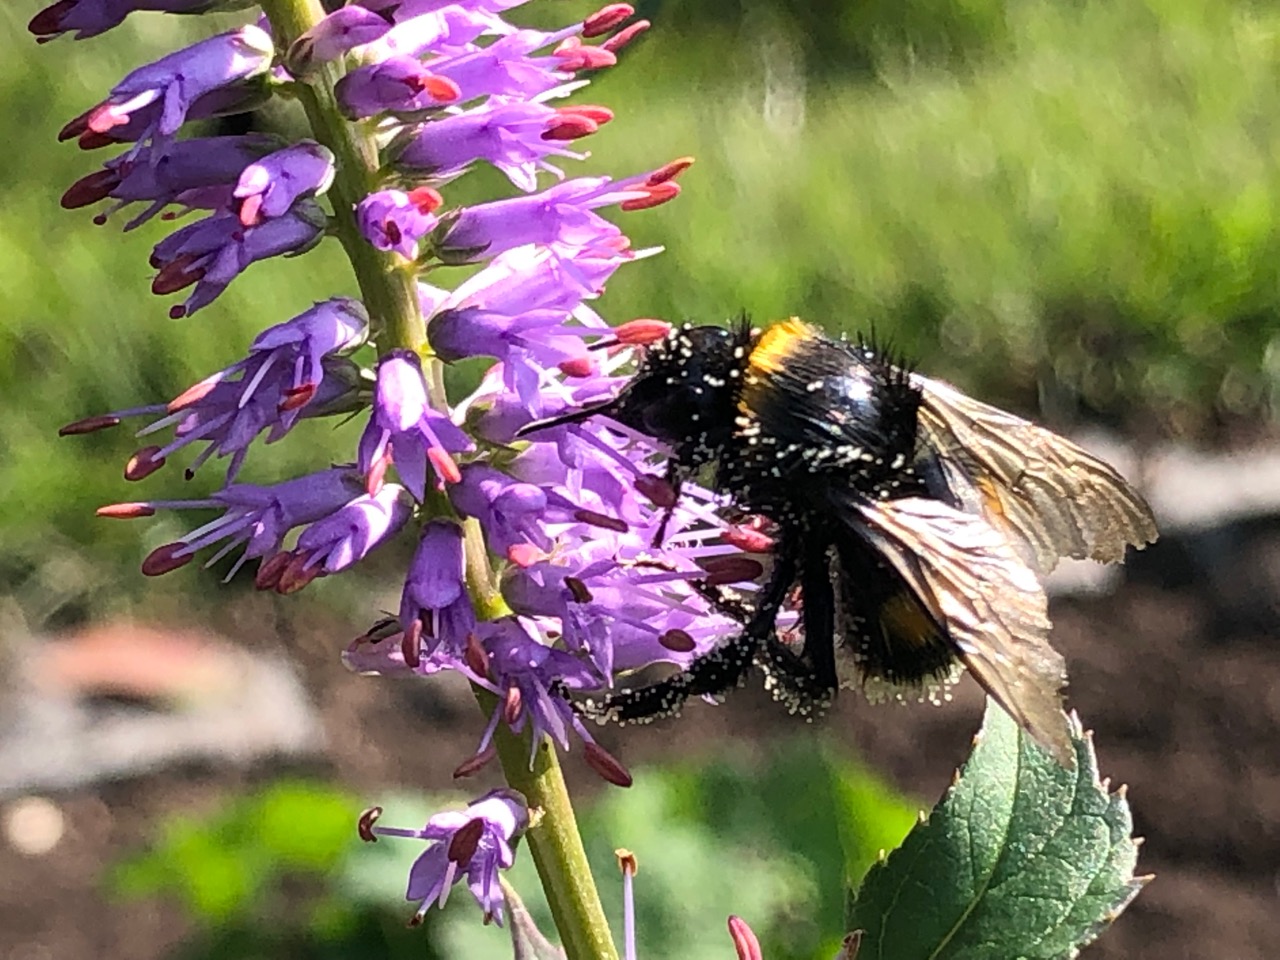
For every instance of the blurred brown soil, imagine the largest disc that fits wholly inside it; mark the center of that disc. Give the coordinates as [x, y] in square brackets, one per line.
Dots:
[1177, 672]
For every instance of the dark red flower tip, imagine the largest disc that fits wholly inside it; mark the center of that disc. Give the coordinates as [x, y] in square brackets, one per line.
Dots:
[411, 644]
[90, 189]
[641, 332]
[445, 466]
[74, 127]
[126, 511]
[655, 195]
[512, 704]
[627, 862]
[143, 463]
[625, 36]
[597, 114]
[578, 590]
[89, 425]
[364, 826]
[748, 538]
[573, 56]
[295, 398]
[725, 570]
[476, 656]
[193, 394]
[249, 209]
[441, 89]
[270, 570]
[606, 18]
[745, 942]
[426, 199]
[297, 574]
[48, 22]
[177, 274]
[677, 641]
[669, 171]
[377, 473]
[660, 493]
[466, 841]
[600, 520]
[569, 126]
[524, 554]
[577, 367]
[165, 559]
[473, 765]
[608, 766]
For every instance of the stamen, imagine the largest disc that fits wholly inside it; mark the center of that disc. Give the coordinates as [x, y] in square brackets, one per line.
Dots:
[606, 765]
[143, 463]
[600, 520]
[411, 644]
[89, 425]
[166, 559]
[364, 826]
[473, 765]
[578, 590]
[466, 841]
[625, 36]
[126, 511]
[606, 18]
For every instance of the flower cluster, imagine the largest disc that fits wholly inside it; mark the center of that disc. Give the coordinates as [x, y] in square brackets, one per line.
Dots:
[570, 520]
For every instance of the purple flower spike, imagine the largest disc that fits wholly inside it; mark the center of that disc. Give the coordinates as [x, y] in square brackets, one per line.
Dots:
[178, 80]
[88, 18]
[199, 173]
[257, 516]
[395, 220]
[271, 186]
[435, 610]
[338, 33]
[214, 251]
[406, 431]
[338, 541]
[471, 844]
[514, 137]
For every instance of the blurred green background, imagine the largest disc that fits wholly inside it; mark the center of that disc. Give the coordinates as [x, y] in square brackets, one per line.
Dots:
[1066, 207]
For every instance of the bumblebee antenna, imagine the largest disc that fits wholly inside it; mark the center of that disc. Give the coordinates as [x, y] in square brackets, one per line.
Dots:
[573, 416]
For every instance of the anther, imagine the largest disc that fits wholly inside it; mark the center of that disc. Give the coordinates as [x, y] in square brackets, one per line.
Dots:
[165, 559]
[411, 644]
[473, 765]
[89, 425]
[724, 570]
[600, 520]
[476, 656]
[577, 367]
[669, 171]
[625, 36]
[524, 554]
[466, 841]
[606, 18]
[578, 590]
[655, 195]
[426, 199]
[607, 765]
[659, 492]
[295, 398]
[569, 126]
[126, 511]
[364, 826]
[511, 706]
[269, 570]
[445, 466]
[143, 463]
[677, 641]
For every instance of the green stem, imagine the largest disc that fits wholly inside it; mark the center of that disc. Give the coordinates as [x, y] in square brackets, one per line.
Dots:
[556, 846]
[388, 288]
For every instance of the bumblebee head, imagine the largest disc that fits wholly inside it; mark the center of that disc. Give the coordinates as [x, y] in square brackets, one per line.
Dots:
[684, 394]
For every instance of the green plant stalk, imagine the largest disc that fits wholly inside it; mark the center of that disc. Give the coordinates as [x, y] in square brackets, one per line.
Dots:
[389, 291]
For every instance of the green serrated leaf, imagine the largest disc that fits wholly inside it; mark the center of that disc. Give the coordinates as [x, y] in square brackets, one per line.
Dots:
[1022, 859]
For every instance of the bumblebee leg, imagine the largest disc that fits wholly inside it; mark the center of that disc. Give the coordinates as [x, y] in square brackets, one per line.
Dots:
[807, 685]
[715, 672]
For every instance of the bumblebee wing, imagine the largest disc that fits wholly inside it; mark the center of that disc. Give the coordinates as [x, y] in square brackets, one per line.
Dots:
[968, 577]
[1059, 499]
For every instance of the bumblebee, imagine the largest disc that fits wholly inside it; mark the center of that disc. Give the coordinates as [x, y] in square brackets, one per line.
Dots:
[911, 520]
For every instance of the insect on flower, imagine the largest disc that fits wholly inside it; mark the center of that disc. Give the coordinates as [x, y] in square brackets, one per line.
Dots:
[912, 519]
